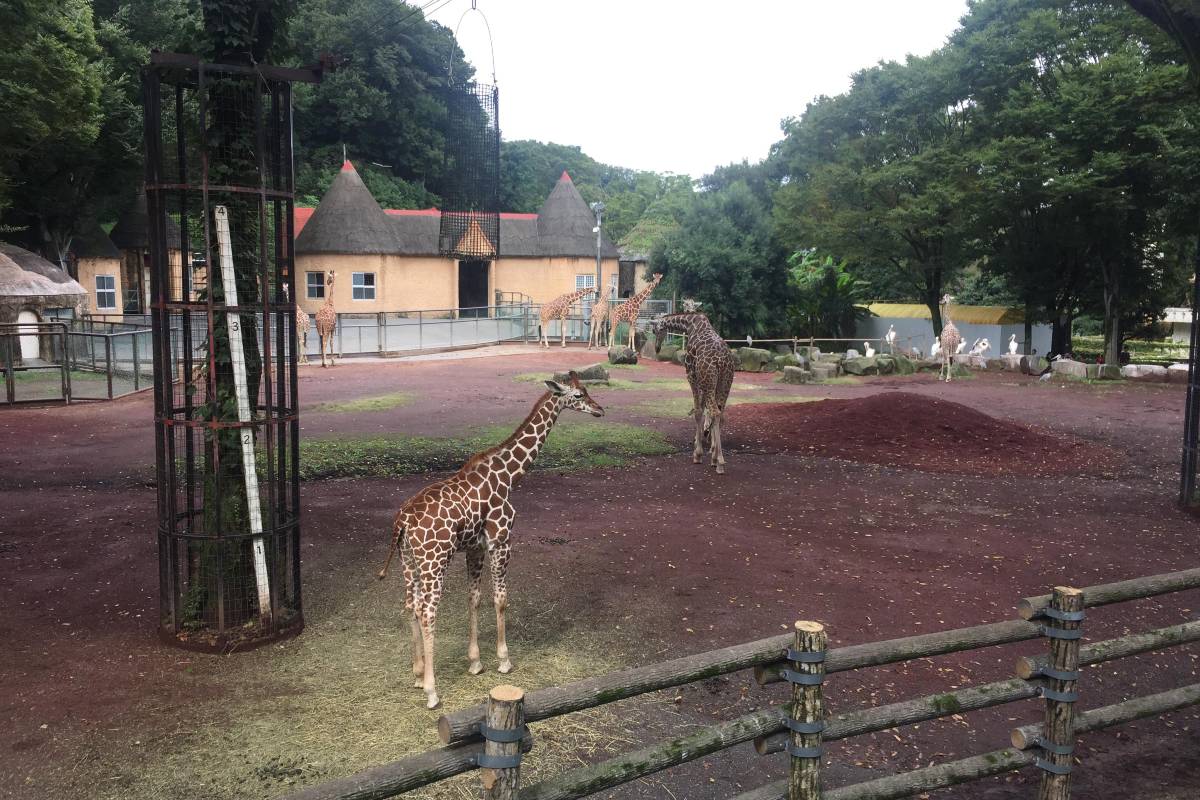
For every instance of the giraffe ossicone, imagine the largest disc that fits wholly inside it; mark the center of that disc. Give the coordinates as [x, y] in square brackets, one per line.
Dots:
[471, 511]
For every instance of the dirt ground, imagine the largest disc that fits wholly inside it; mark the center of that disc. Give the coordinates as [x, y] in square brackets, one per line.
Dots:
[612, 567]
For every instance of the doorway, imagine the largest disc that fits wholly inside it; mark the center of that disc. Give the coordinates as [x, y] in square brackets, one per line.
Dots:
[473, 288]
[30, 349]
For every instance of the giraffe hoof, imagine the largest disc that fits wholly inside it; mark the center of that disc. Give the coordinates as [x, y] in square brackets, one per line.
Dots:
[475, 668]
[432, 701]
[419, 683]
[720, 469]
[505, 667]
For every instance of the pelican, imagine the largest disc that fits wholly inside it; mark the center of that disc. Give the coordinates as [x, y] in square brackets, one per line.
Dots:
[870, 351]
[890, 338]
[1012, 345]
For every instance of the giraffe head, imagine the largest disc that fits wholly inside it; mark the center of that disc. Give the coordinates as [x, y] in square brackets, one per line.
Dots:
[575, 396]
[946, 300]
[329, 278]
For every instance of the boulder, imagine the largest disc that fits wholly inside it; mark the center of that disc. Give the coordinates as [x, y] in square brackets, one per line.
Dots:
[1108, 372]
[1065, 367]
[622, 355]
[796, 375]
[886, 364]
[1177, 373]
[1151, 373]
[824, 371]
[852, 353]
[592, 372]
[1033, 365]
[781, 349]
[929, 365]
[667, 351]
[860, 366]
[789, 359]
[753, 359]
[904, 365]
[1011, 363]
[811, 353]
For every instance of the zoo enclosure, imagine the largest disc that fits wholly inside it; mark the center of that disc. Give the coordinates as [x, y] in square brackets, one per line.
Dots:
[79, 359]
[492, 737]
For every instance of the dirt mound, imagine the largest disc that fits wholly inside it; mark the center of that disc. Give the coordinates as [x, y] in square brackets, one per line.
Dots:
[910, 430]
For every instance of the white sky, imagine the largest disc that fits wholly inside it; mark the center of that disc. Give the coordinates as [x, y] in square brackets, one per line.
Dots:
[676, 86]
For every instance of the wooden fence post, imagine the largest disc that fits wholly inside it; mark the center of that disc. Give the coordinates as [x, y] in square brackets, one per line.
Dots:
[807, 657]
[1064, 629]
[500, 763]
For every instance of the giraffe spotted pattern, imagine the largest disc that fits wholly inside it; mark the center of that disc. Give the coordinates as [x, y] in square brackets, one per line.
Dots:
[710, 366]
[558, 309]
[628, 312]
[471, 511]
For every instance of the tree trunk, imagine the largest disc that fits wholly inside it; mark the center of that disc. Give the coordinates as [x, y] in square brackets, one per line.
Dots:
[1060, 333]
[1112, 314]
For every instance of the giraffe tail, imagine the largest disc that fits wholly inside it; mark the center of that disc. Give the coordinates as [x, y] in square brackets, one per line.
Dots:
[392, 550]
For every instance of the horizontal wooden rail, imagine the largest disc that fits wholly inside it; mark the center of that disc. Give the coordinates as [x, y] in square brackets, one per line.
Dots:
[462, 726]
[874, 654]
[997, 762]
[907, 712]
[631, 766]
[1107, 593]
[410, 772]
[1112, 649]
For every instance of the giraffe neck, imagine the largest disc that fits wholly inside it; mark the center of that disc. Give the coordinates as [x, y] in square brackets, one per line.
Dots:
[516, 453]
[688, 324]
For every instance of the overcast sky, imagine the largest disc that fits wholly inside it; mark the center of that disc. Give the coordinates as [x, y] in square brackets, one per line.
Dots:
[671, 86]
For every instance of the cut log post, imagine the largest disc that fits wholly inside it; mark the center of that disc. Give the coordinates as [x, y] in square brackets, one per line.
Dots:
[1119, 592]
[1063, 628]
[874, 654]
[1112, 649]
[807, 710]
[1095, 719]
[500, 765]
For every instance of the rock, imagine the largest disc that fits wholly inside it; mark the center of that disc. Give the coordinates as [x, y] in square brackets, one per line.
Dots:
[796, 375]
[752, 359]
[852, 353]
[1177, 373]
[1109, 372]
[904, 365]
[928, 365]
[886, 364]
[861, 366]
[811, 353]
[667, 352]
[1068, 368]
[824, 371]
[1033, 365]
[622, 355]
[781, 349]
[1151, 373]
[788, 359]
[1011, 363]
[592, 372]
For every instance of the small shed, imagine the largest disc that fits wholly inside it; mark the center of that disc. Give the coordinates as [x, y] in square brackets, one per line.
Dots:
[914, 327]
[33, 290]
[97, 266]
[1180, 322]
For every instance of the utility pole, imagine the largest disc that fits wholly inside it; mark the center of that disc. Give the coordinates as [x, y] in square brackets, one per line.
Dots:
[598, 209]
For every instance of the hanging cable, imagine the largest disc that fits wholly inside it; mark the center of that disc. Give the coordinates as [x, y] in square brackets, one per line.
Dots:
[491, 42]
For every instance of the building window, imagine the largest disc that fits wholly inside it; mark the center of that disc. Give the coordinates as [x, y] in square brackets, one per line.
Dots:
[363, 285]
[585, 282]
[106, 293]
[315, 281]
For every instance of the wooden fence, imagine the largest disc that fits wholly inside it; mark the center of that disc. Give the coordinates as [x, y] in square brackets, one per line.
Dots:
[491, 737]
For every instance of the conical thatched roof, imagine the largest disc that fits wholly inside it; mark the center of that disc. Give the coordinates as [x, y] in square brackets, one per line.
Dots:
[132, 231]
[94, 243]
[27, 279]
[565, 224]
[348, 220]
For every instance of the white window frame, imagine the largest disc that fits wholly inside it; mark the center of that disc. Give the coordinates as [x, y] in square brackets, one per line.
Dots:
[309, 288]
[358, 283]
[587, 281]
[108, 290]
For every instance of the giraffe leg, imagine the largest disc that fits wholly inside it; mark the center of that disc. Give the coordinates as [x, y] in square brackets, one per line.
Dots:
[698, 444]
[475, 558]
[432, 581]
[497, 530]
[562, 324]
[716, 435]
[411, 603]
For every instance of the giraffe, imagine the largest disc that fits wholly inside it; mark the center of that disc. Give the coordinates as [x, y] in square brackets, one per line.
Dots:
[710, 366]
[327, 320]
[471, 511]
[950, 340]
[599, 316]
[558, 309]
[302, 328]
[628, 312]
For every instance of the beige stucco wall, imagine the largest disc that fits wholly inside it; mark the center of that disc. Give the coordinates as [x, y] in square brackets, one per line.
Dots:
[544, 279]
[87, 269]
[401, 283]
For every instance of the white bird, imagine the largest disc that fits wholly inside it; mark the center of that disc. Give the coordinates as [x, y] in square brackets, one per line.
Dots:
[1012, 345]
[961, 346]
[890, 338]
[749, 341]
[1045, 376]
[870, 351]
[935, 349]
[980, 347]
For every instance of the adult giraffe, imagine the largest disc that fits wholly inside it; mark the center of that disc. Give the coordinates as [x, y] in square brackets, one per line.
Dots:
[327, 320]
[710, 366]
[471, 511]
[628, 312]
[558, 309]
[950, 340]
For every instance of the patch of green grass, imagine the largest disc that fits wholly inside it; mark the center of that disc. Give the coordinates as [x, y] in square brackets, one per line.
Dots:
[1141, 351]
[572, 445]
[625, 366]
[53, 376]
[619, 384]
[382, 402]
[673, 407]
[841, 380]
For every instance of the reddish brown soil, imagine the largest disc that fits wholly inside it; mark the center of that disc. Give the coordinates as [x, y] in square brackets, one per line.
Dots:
[680, 558]
[900, 429]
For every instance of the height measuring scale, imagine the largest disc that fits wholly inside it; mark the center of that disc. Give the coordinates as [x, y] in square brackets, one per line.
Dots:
[238, 356]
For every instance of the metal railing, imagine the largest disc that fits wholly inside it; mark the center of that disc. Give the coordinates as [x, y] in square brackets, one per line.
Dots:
[41, 378]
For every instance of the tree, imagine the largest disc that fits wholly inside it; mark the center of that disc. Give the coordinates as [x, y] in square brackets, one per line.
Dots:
[828, 299]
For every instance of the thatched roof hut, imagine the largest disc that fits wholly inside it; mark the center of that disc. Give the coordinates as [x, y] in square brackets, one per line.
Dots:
[29, 282]
[565, 224]
[349, 221]
[132, 231]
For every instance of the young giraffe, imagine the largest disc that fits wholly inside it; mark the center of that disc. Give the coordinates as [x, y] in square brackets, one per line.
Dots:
[558, 309]
[471, 511]
[710, 366]
[950, 339]
[327, 320]
[302, 328]
[599, 316]
[628, 312]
